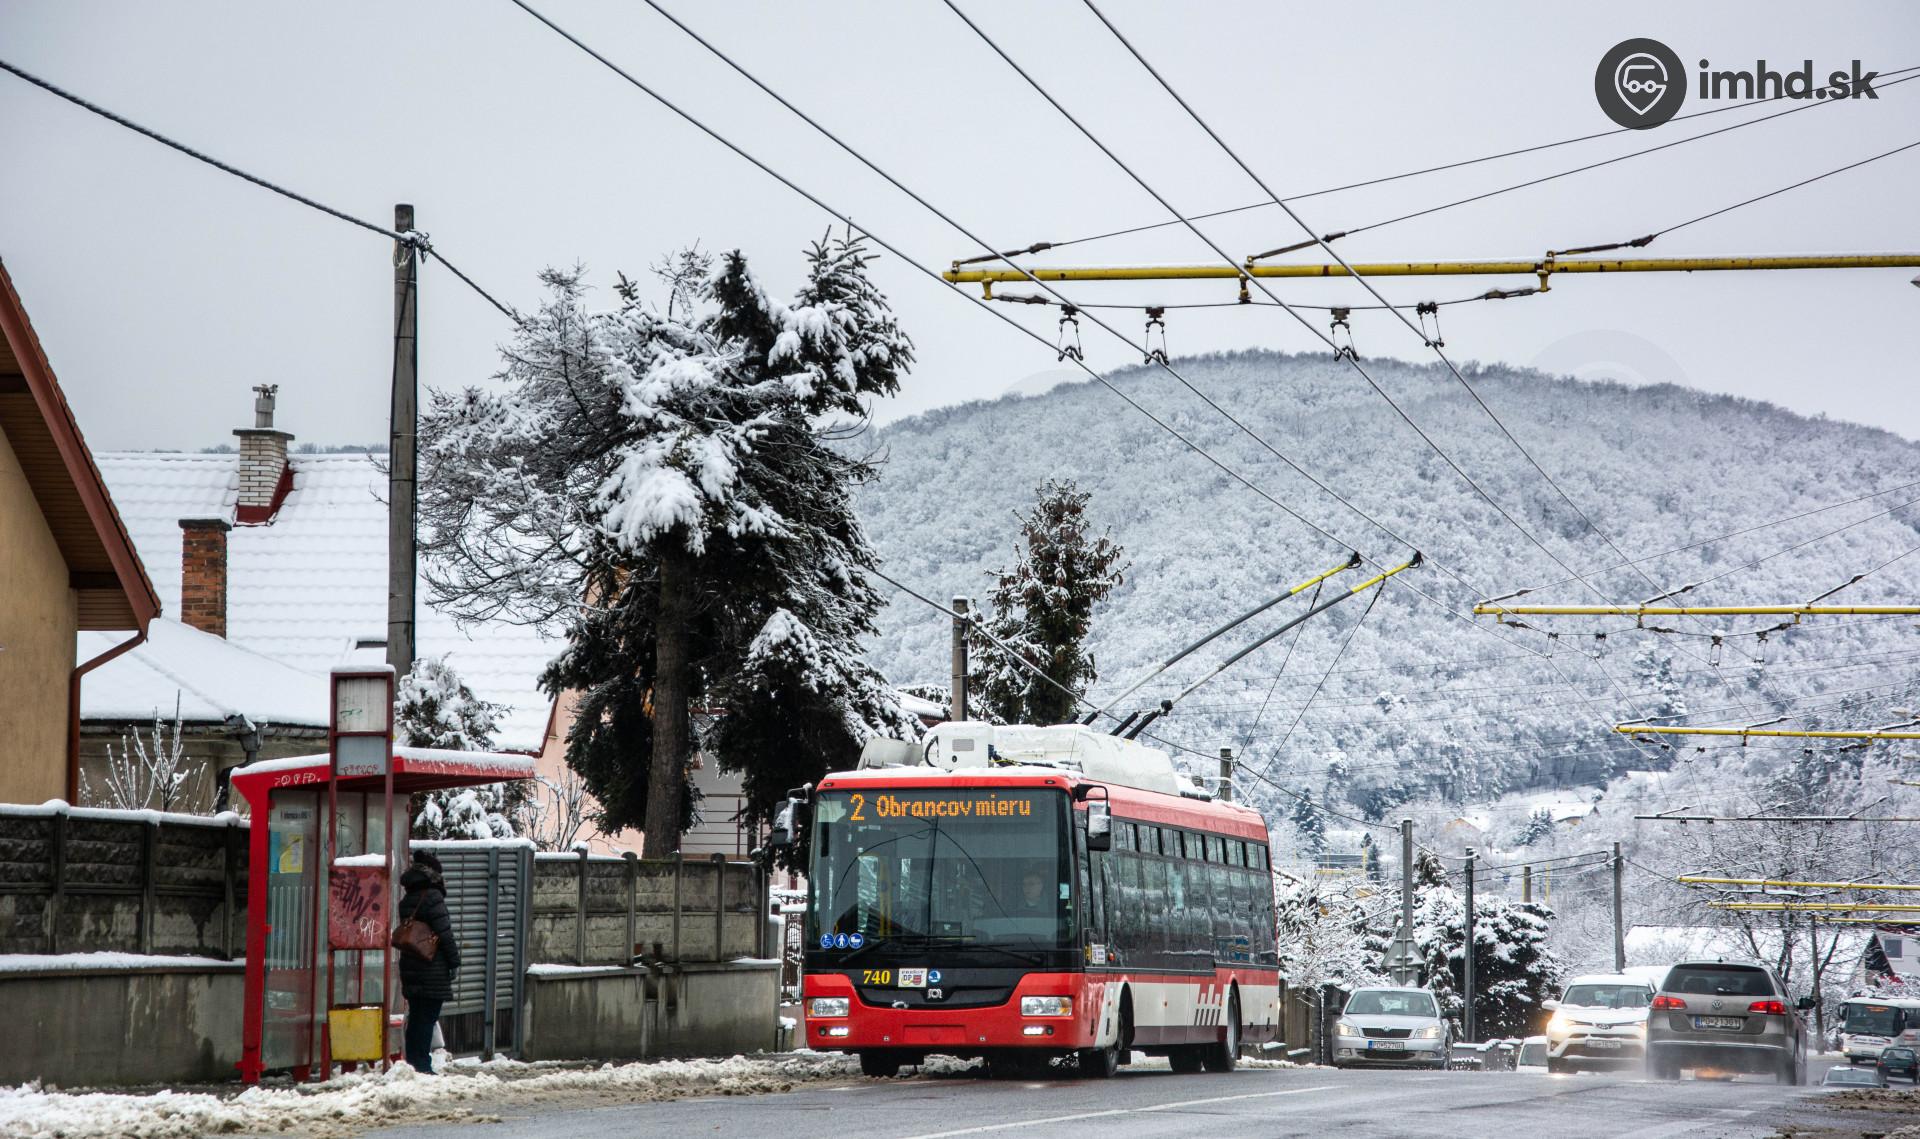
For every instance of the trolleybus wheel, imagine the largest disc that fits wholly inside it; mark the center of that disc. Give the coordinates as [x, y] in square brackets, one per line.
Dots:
[1099, 1063]
[1222, 1055]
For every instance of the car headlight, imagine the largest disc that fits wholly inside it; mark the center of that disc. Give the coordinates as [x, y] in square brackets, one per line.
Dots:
[827, 1006]
[1430, 1032]
[1346, 1028]
[1557, 1025]
[1046, 1006]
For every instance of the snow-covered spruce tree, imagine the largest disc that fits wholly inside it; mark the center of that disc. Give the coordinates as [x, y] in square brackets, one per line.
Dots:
[434, 708]
[663, 487]
[1309, 823]
[1538, 825]
[1514, 970]
[1042, 608]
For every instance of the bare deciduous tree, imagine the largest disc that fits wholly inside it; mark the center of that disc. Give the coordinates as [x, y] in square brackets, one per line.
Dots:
[553, 814]
[144, 774]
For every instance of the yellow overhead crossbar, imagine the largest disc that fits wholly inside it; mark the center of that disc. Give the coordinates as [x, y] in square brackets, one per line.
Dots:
[1484, 610]
[1791, 733]
[1702, 880]
[1813, 907]
[1542, 268]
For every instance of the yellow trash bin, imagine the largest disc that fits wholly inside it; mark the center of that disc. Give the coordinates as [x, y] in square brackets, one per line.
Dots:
[355, 1033]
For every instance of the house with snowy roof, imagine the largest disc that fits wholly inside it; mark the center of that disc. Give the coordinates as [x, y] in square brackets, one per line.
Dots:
[276, 564]
[1891, 957]
[67, 565]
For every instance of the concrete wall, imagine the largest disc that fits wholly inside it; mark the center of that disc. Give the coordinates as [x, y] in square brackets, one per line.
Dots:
[638, 896]
[39, 618]
[83, 881]
[705, 1009]
[94, 1027]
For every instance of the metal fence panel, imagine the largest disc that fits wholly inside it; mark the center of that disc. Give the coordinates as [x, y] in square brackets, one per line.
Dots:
[487, 900]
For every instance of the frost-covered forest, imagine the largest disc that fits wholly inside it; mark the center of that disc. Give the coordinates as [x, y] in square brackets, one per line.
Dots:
[1428, 709]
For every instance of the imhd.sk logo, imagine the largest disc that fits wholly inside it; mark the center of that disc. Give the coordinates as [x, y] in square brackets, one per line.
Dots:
[1640, 83]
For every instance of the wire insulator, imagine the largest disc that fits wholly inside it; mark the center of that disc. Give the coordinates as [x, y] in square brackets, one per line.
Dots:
[1341, 325]
[1070, 327]
[1156, 319]
[1426, 309]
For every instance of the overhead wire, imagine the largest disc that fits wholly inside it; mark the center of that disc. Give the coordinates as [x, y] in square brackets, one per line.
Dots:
[1638, 242]
[790, 184]
[1308, 702]
[1325, 243]
[1264, 204]
[1350, 357]
[1164, 364]
[414, 238]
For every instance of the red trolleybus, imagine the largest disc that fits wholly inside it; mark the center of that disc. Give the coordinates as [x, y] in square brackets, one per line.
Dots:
[1023, 894]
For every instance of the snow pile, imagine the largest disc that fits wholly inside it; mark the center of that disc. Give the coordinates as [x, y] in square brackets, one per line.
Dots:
[359, 1102]
[67, 962]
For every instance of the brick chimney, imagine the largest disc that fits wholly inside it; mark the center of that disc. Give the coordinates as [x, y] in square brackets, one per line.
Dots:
[203, 574]
[265, 477]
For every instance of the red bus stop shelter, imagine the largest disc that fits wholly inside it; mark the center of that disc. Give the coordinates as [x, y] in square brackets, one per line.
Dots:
[328, 842]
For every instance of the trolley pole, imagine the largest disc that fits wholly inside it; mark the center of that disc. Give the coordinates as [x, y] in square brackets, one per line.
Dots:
[1619, 923]
[959, 707]
[1467, 959]
[1225, 791]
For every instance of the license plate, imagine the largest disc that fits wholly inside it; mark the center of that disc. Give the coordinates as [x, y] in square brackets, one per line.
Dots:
[1603, 1044]
[1732, 1023]
[913, 978]
[1385, 1046]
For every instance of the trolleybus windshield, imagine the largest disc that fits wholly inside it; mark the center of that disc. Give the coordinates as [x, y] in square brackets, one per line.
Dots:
[912, 868]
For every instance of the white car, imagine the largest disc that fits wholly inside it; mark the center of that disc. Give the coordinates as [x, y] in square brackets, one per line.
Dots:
[1600, 1020]
[1397, 1027]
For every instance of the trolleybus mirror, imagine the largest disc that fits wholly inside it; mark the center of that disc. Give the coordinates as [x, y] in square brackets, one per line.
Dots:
[782, 832]
[1099, 827]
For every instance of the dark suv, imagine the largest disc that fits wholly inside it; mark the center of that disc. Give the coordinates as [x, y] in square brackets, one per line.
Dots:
[1725, 1015]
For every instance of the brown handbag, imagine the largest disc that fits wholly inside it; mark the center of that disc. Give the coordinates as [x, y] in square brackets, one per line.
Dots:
[415, 938]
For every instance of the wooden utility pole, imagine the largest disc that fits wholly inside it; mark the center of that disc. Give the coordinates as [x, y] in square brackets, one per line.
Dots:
[1467, 955]
[402, 457]
[1619, 922]
[958, 709]
[1400, 960]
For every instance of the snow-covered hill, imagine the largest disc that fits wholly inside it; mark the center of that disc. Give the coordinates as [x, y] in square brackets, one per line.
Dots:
[1425, 700]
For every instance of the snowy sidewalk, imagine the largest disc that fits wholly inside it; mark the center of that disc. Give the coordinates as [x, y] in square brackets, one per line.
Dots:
[350, 1104]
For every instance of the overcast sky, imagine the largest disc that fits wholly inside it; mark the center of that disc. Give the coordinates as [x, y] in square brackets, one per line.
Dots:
[164, 289]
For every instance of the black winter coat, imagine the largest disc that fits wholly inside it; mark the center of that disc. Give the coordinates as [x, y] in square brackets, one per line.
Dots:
[426, 899]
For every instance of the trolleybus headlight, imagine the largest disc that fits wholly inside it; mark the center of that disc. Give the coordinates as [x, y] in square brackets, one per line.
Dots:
[1046, 1006]
[827, 1006]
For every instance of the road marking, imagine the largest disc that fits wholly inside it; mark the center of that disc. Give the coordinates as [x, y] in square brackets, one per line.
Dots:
[1119, 1111]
